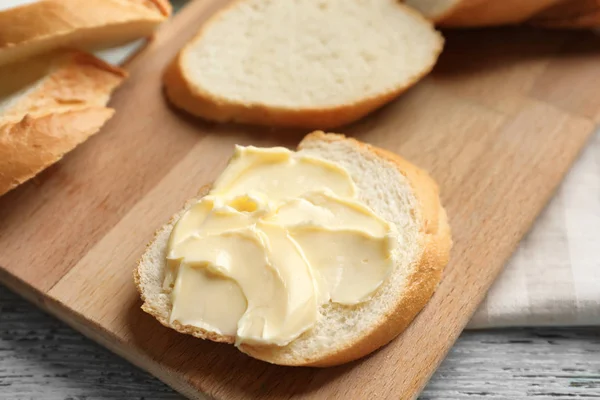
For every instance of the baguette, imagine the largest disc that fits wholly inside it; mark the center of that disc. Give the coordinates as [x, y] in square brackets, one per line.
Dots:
[48, 105]
[397, 191]
[311, 64]
[49, 24]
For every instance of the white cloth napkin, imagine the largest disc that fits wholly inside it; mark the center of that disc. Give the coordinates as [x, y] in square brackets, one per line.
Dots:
[554, 276]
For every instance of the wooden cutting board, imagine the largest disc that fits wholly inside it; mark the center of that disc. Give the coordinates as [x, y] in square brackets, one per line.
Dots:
[497, 124]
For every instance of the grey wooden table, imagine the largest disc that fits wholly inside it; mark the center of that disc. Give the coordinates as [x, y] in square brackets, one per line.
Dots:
[42, 358]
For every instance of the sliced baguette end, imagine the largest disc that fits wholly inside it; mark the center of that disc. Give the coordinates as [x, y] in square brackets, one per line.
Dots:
[47, 139]
[61, 110]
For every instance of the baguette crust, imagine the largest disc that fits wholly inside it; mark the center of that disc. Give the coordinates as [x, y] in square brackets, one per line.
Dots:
[49, 24]
[435, 244]
[60, 112]
[194, 99]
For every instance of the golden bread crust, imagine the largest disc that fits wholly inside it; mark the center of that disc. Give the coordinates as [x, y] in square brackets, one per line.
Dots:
[67, 107]
[45, 25]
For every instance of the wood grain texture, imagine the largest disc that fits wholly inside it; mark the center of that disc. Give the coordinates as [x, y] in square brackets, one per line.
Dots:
[40, 357]
[484, 124]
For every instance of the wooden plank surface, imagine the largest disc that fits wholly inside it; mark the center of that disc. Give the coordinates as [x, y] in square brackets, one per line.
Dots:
[40, 357]
[495, 124]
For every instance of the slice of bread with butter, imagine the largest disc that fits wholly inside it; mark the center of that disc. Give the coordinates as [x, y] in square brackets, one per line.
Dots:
[308, 258]
[313, 64]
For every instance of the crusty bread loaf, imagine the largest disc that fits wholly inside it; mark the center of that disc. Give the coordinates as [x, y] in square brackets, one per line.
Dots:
[570, 14]
[49, 24]
[398, 192]
[48, 105]
[311, 64]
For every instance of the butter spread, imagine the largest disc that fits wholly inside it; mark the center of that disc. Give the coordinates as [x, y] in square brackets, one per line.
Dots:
[280, 234]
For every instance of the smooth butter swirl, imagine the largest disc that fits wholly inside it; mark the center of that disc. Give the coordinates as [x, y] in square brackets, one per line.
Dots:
[280, 234]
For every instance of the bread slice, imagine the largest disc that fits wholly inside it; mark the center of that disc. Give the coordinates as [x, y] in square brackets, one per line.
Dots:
[310, 64]
[46, 25]
[48, 105]
[478, 13]
[570, 14]
[398, 192]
